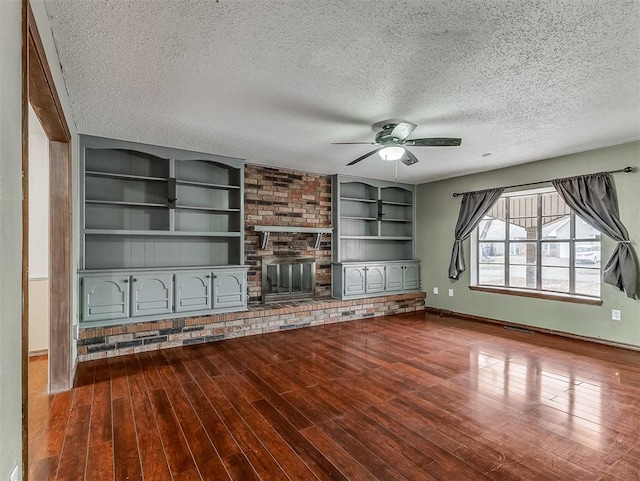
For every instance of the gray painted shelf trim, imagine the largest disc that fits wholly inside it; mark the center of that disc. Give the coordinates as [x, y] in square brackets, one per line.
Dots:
[266, 230]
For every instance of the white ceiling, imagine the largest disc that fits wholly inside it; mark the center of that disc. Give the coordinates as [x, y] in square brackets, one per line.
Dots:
[275, 82]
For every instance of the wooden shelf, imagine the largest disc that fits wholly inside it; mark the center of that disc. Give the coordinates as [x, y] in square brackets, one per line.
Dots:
[266, 230]
[384, 219]
[355, 199]
[375, 237]
[211, 209]
[358, 218]
[111, 175]
[208, 185]
[154, 233]
[388, 202]
[125, 204]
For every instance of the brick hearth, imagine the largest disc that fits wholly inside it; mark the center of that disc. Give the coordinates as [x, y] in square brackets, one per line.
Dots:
[103, 342]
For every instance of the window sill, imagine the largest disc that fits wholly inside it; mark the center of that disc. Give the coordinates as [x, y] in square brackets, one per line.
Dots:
[539, 295]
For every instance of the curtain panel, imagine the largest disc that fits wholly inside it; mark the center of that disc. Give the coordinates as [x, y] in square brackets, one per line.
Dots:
[473, 208]
[594, 199]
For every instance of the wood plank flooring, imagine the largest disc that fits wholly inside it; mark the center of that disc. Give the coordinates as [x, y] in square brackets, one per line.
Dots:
[405, 397]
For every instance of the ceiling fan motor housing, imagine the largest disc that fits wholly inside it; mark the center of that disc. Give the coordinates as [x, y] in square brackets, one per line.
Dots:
[384, 136]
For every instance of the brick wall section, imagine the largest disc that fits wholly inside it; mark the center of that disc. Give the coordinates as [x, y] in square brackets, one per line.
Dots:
[104, 342]
[286, 198]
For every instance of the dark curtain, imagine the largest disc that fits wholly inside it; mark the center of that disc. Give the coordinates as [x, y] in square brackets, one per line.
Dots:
[594, 199]
[474, 207]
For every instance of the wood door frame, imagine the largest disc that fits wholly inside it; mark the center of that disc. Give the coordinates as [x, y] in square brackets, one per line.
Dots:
[38, 89]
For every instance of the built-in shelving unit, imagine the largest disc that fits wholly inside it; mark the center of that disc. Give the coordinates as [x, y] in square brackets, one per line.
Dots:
[152, 208]
[374, 224]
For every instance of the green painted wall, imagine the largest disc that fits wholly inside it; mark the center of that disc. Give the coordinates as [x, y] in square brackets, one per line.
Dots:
[10, 236]
[437, 213]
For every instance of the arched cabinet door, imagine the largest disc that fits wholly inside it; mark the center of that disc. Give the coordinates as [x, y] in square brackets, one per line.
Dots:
[411, 276]
[395, 277]
[152, 294]
[354, 281]
[193, 291]
[105, 297]
[229, 288]
[374, 278]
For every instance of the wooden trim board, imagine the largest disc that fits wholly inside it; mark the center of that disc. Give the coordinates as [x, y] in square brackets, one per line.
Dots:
[470, 317]
[38, 89]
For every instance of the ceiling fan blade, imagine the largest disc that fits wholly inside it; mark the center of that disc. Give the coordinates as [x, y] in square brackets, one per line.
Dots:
[409, 158]
[434, 142]
[353, 143]
[364, 156]
[403, 130]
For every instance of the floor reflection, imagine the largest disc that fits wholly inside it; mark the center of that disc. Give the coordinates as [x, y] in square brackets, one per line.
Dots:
[549, 395]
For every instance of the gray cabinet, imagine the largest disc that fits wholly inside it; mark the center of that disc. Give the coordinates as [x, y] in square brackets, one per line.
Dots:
[193, 291]
[151, 294]
[374, 279]
[229, 288]
[354, 281]
[154, 294]
[403, 276]
[164, 219]
[411, 277]
[369, 279]
[105, 297]
[373, 242]
[395, 277]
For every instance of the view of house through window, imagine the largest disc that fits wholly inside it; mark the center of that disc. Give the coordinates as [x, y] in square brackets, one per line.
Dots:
[534, 241]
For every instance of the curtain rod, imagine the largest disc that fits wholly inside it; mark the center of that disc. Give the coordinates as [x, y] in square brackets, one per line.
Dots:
[625, 170]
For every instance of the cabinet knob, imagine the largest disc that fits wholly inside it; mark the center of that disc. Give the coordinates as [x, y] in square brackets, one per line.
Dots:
[126, 281]
[208, 276]
[215, 277]
[135, 280]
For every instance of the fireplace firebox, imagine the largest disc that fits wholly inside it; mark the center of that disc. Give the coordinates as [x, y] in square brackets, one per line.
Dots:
[288, 278]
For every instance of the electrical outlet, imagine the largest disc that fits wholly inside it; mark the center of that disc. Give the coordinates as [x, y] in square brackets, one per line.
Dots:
[615, 314]
[450, 292]
[14, 474]
[435, 290]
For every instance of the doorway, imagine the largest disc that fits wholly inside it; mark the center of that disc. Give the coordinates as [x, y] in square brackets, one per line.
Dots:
[38, 240]
[39, 91]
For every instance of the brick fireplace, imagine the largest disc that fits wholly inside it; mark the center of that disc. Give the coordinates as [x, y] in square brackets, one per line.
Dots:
[282, 197]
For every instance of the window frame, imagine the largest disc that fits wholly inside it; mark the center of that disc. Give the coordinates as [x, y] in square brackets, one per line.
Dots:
[507, 242]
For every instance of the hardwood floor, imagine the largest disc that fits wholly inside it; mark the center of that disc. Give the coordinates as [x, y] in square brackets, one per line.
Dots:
[406, 397]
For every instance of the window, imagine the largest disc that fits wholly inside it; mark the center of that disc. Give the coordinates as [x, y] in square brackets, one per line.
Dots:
[532, 240]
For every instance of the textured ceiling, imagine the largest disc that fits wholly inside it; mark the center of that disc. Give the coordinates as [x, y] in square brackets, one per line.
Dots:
[275, 82]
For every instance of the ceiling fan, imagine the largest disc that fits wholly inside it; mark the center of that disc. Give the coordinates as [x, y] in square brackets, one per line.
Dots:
[392, 140]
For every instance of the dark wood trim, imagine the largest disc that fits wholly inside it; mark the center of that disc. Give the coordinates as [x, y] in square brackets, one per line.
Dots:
[38, 89]
[539, 295]
[25, 241]
[60, 376]
[488, 320]
[43, 95]
[44, 99]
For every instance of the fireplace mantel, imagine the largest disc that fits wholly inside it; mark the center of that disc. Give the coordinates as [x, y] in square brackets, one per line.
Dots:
[266, 230]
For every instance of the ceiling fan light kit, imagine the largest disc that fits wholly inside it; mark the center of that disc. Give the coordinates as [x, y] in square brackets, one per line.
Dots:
[392, 139]
[391, 153]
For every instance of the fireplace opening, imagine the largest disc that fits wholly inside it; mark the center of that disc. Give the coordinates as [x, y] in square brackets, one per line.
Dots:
[288, 278]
